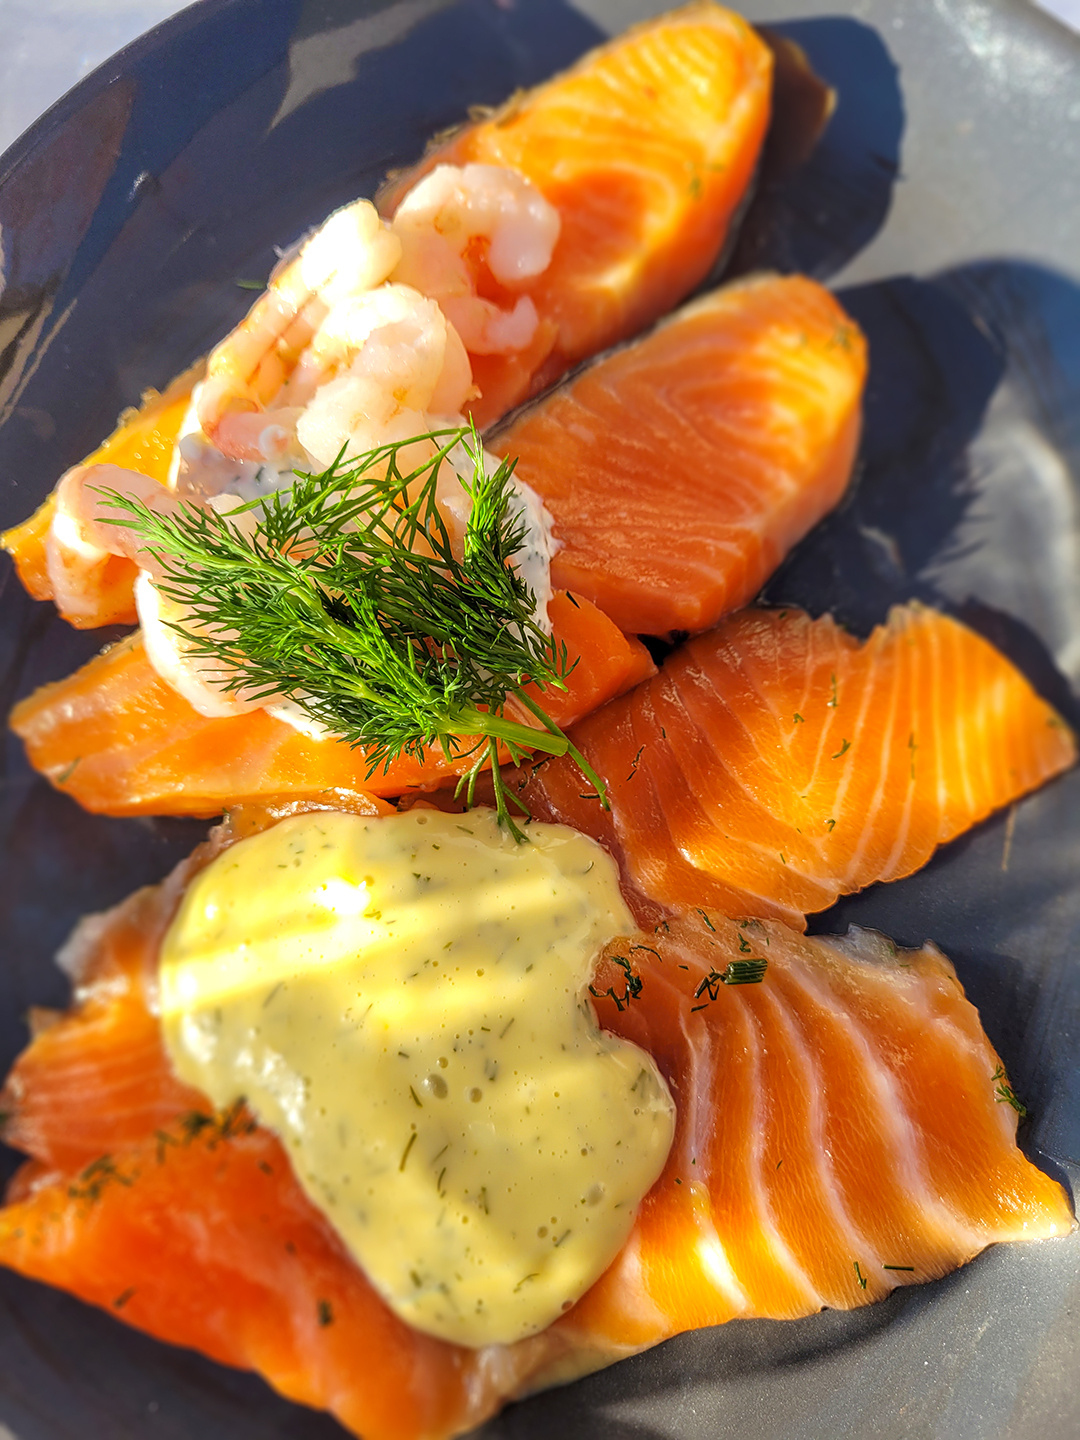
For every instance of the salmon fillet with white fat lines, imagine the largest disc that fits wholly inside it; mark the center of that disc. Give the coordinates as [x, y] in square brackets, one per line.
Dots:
[840, 1132]
[777, 762]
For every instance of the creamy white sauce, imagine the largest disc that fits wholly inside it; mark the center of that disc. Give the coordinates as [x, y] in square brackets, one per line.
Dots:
[403, 1000]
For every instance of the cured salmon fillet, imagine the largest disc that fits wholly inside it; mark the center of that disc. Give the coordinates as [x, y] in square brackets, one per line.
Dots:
[778, 763]
[121, 741]
[840, 1132]
[646, 148]
[681, 470]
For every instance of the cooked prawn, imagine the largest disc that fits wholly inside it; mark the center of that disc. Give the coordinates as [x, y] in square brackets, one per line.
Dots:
[440, 219]
[352, 252]
[334, 355]
[82, 536]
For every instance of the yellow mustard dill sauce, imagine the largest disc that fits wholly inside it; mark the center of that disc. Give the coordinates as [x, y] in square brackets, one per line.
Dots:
[404, 1001]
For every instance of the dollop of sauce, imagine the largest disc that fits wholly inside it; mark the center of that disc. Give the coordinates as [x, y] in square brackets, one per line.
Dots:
[404, 1001]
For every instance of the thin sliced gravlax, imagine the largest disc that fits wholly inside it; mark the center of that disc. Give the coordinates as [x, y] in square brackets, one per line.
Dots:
[777, 762]
[681, 470]
[121, 741]
[839, 1134]
[646, 149]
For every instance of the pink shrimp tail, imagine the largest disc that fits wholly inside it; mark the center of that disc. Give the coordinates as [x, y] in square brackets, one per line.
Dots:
[84, 494]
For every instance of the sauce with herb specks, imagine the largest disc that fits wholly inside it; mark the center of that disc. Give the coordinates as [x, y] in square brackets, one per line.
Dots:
[403, 1000]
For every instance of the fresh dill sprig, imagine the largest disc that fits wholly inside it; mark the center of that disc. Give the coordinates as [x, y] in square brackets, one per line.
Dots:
[343, 594]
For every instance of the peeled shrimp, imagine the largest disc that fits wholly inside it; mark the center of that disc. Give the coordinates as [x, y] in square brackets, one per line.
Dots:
[352, 252]
[436, 224]
[361, 339]
[320, 313]
[396, 363]
[81, 541]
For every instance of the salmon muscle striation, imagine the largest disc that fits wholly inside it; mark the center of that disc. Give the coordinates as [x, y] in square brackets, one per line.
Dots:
[841, 1129]
[680, 470]
[777, 763]
[646, 148]
[840, 1132]
[120, 741]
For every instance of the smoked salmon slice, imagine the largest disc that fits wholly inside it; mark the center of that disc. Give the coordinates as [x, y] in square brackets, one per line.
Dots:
[121, 741]
[841, 1131]
[681, 470]
[646, 148]
[777, 763]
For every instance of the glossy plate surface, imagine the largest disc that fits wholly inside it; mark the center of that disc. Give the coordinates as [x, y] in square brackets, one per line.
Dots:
[943, 202]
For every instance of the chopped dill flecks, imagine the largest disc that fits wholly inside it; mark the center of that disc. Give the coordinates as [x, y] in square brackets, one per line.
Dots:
[631, 990]
[844, 748]
[1005, 1094]
[710, 986]
[911, 1268]
[797, 719]
[67, 772]
[96, 1178]
[744, 944]
[830, 825]
[123, 1298]
[708, 922]
[650, 950]
[405, 1153]
[834, 699]
[634, 765]
[859, 1276]
[525, 1279]
[326, 1313]
[250, 284]
[745, 972]
[416, 1098]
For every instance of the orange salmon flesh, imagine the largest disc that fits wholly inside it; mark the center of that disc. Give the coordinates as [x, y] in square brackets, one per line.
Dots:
[838, 1135]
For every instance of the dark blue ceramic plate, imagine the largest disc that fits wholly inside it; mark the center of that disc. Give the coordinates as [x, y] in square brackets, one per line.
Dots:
[943, 202]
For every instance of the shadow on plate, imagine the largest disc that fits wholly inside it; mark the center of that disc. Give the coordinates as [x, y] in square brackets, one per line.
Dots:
[964, 495]
[817, 206]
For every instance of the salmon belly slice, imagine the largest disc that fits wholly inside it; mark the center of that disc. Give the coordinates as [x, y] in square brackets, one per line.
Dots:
[839, 1133]
[121, 741]
[681, 470]
[646, 149]
[777, 762]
